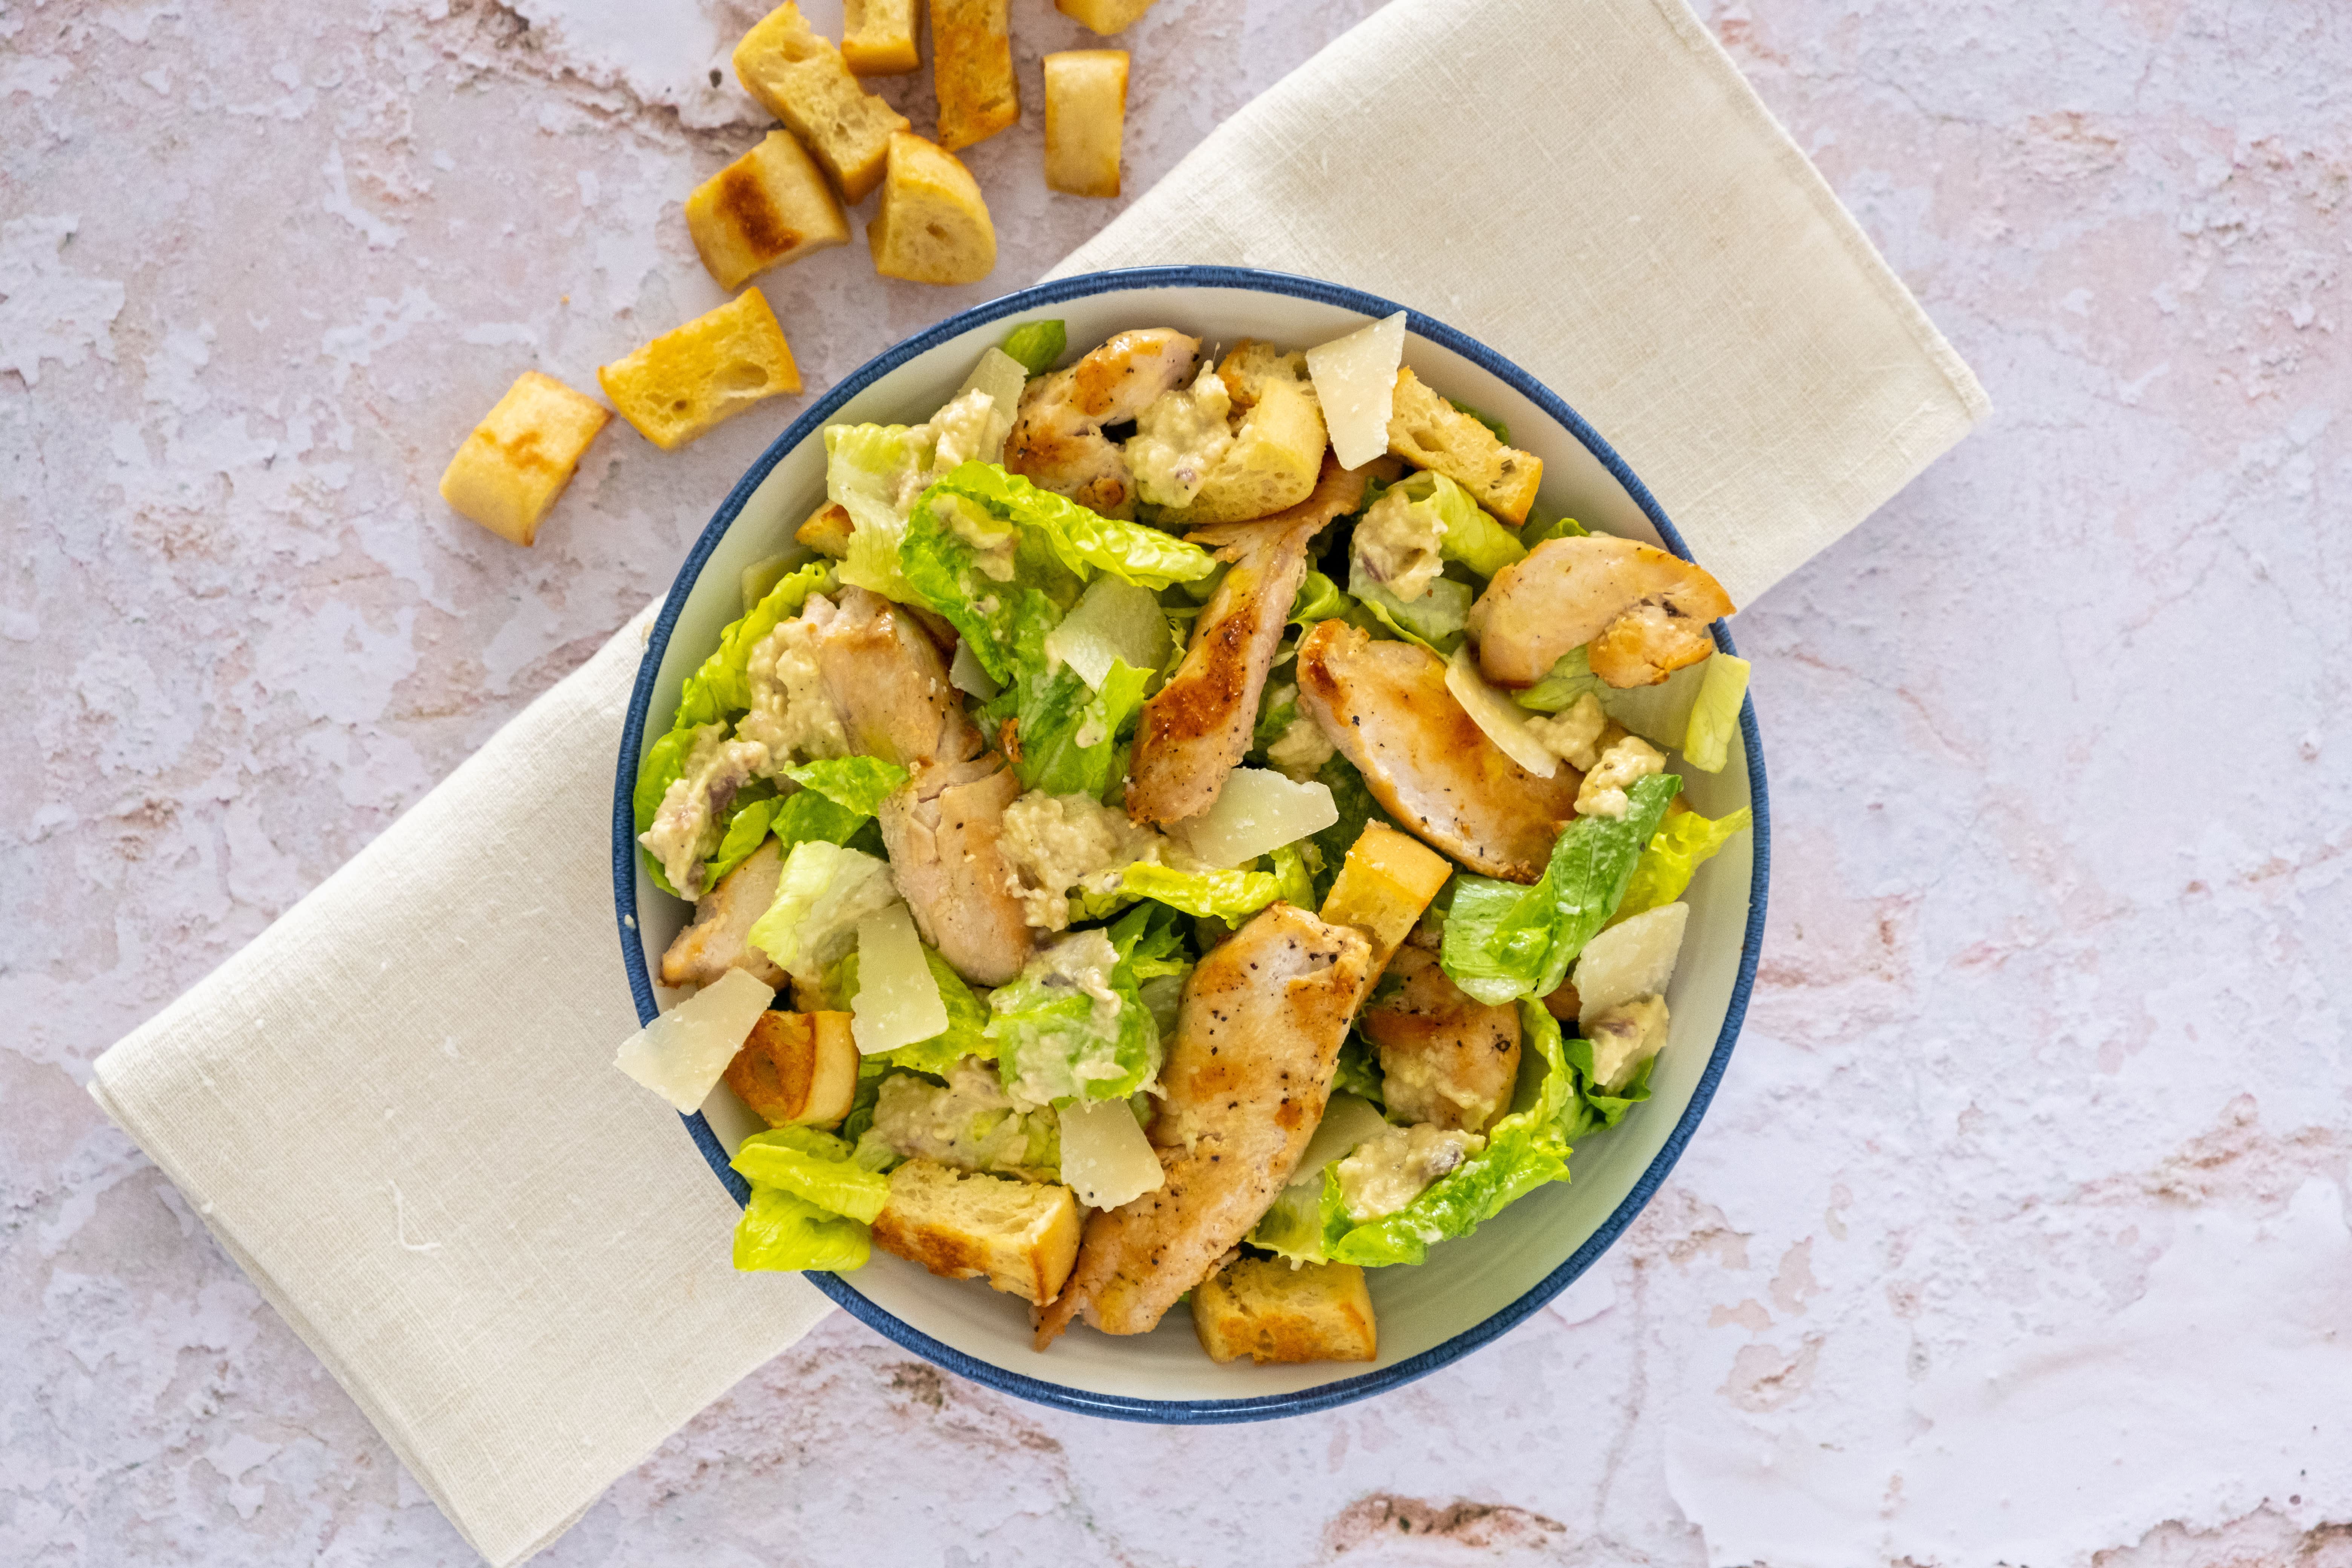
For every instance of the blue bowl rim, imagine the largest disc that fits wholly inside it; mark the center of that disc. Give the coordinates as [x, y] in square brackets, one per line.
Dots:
[1188, 1412]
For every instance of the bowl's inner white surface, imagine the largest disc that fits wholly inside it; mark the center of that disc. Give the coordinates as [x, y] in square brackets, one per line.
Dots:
[1464, 1282]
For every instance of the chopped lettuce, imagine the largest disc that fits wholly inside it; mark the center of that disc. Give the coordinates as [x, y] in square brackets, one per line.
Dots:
[1358, 1072]
[1292, 1225]
[1037, 344]
[779, 1230]
[1001, 588]
[1464, 530]
[1227, 895]
[1570, 678]
[868, 469]
[1294, 876]
[967, 1121]
[1436, 620]
[814, 1167]
[1539, 528]
[1714, 715]
[824, 892]
[1066, 737]
[1073, 1024]
[965, 1035]
[1685, 841]
[1593, 1111]
[1151, 946]
[1527, 1148]
[1084, 541]
[858, 784]
[1504, 941]
[1318, 599]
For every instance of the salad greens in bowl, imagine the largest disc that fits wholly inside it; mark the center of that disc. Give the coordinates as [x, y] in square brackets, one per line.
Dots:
[1190, 844]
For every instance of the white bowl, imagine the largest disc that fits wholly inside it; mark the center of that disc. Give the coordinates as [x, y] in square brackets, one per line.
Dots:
[1471, 1290]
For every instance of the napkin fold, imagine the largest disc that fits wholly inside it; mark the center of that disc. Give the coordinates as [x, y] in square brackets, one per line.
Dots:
[397, 1108]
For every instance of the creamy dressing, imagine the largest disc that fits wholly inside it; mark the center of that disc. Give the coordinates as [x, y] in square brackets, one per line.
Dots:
[1388, 1172]
[1054, 843]
[685, 831]
[1573, 734]
[1624, 763]
[1083, 962]
[970, 1123]
[1179, 440]
[1624, 1037]
[1299, 752]
[1398, 544]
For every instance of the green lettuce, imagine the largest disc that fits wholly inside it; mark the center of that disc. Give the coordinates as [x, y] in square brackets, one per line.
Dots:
[1504, 941]
[1084, 541]
[1358, 1072]
[1318, 599]
[1036, 344]
[1683, 842]
[1055, 1042]
[1539, 528]
[965, 1035]
[1594, 1112]
[1570, 677]
[1227, 895]
[859, 785]
[814, 1167]
[867, 468]
[967, 1121]
[1527, 1148]
[1067, 735]
[779, 1230]
[1437, 620]
[825, 890]
[1715, 715]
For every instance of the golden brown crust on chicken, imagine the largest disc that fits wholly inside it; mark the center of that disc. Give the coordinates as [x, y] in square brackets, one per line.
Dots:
[716, 942]
[1246, 1080]
[1645, 612]
[1386, 707]
[1447, 1058]
[1196, 729]
[943, 830]
[1058, 441]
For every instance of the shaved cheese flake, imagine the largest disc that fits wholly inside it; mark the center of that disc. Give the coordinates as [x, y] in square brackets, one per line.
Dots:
[968, 674]
[1503, 721]
[1633, 958]
[1347, 1120]
[1257, 811]
[1111, 621]
[898, 1000]
[1106, 1159]
[682, 1055]
[1355, 380]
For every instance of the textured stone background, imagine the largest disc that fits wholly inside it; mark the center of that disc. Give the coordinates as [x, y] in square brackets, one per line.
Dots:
[2019, 1232]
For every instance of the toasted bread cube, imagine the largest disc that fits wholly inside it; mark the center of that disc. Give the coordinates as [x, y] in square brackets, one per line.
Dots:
[933, 226]
[718, 939]
[1105, 16]
[802, 80]
[1278, 452]
[877, 37]
[519, 458]
[1022, 1236]
[1264, 1309]
[770, 206]
[971, 69]
[1385, 883]
[686, 381]
[1086, 114]
[827, 530]
[797, 1069]
[1250, 364]
[1431, 432]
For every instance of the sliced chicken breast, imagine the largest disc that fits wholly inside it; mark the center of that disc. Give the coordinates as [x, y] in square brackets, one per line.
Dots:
[1247, 1077]
[1058, 441]
[888, 681]
[1446, 1058]
[715, 942]
[1385, 705]
[944, 829]
[1643, 611]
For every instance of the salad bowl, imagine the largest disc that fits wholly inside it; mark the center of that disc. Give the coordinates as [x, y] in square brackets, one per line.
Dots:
[1472, 1289]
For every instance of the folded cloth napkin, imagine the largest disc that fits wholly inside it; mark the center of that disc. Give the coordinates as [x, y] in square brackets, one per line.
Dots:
[396, 1109]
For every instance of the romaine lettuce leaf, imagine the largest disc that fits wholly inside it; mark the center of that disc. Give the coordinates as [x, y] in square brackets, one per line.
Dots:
[867, 468]
[1570, 678]
[1539, 528]
[1358, 1072]
[814, 1167]
[1526, 1149]
[1294, 879]
[858, 784]
[1227, 895]
[968, 1122]
[1715, 715]
[1037, 344]
[780, 1230]
[1436, 620]
[1683, 842]
[965, 1035]
[1065, 736]
[1594, 1111]
[1084, 542]
[1072, 1025]
[824, 892]
[1318, 599]
[1504, 941]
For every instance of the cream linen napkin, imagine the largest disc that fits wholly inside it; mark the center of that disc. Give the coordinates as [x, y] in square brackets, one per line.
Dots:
[396, 1109]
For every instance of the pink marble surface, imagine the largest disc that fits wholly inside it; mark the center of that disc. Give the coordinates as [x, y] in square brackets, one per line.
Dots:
[2018, 1232]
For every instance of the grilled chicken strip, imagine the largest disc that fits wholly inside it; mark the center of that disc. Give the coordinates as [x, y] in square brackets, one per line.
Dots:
[1196, 729]
[1645, 612]
[888, 681]
[1385, 706]
[1446, 1058]
[1246, 1080]
[944, 828]
[1058, 441]
[714, 943]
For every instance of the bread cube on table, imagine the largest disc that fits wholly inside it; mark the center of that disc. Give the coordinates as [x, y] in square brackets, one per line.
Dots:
[877, 37]
[1264, 1309]
[1085, 118]
[1104, 16]
[971, 69]
[509, 470]
[1431, 432]
[802, 80]
[797, 1069]
[770, 206]
[961, 1224]
[703, 373]
[933, 225]
[1387, 880]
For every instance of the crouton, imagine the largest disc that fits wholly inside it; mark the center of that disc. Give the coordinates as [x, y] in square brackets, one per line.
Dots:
[1086, 116]
[717, 939]
[1250, 364]
[797, 1069]
[877, 37]
[1276, 454]
[693, 377]
[1105, 16]
[933, 226]
[1022, 1236]
[1385, 883]
[827, 530]
[971, 69]
[770, 206]
[1431, 432]
[802, 80]
[1264, 1309]
[508, 473]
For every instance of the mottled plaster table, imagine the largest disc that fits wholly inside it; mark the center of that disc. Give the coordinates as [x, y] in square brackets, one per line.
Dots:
[2018, 1232]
